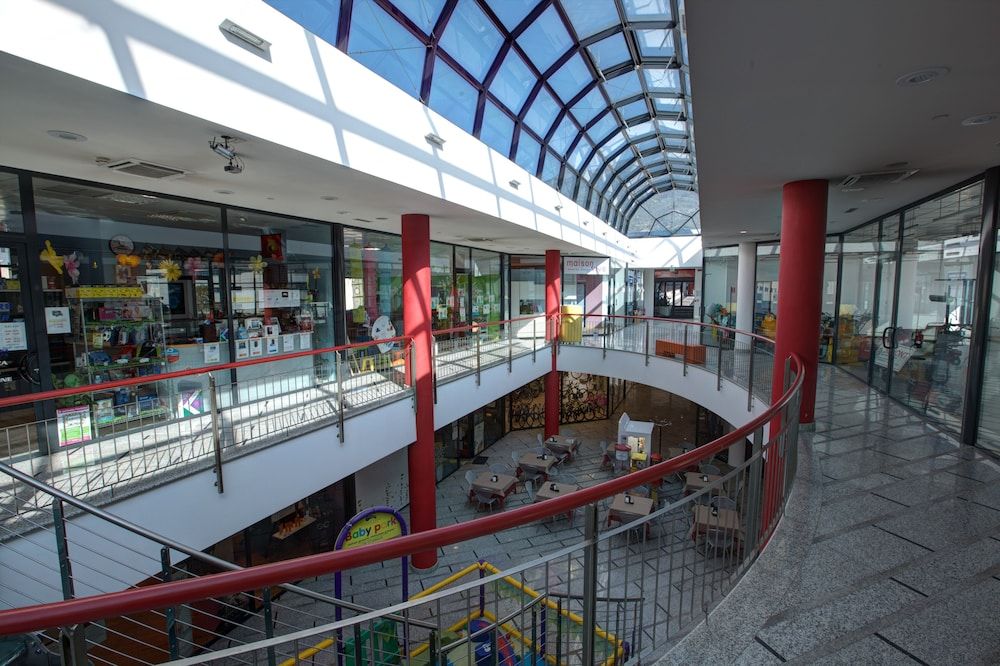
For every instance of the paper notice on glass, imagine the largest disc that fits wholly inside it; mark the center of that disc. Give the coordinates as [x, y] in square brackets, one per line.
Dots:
[13, 336]
[256, 347]
[211, 351]
[57, 320]
[272, 345]
[242, 349]
[288, 343]
[305, 340]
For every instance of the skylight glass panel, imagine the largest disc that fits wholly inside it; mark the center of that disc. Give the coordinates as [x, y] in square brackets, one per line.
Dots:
[569, 183]
[613, 144]
[527, 153]
[563, 135]
[633, 109]
[497, 129]
[676, 142]
[668, 105]
[595, 163]
[677, 157]
[424, 13]
[542, 112]
[662, 79]
[603, 127]
[647, 144]
[610, 51]
[571, 78]
[591, 17]
[513, 82]
[383, 45]
[624, 86]
[589, 106]
[655, 43]
[512, 12]
[621, 159]
[452, 96]
[672, 126]
[642, 129]
[581, 196]
[652, 161]
[320, 17]
[647, 10]
[471, 39]
[550, 171]
[580, 153]
[545, 39]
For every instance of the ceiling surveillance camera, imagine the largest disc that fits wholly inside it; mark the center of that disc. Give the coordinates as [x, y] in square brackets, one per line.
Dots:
[222, 148]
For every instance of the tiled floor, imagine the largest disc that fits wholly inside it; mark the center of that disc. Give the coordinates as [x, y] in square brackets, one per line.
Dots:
[901, 555]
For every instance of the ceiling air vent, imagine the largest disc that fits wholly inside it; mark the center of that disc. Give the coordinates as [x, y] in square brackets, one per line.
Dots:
[861, 181]
[145, 169]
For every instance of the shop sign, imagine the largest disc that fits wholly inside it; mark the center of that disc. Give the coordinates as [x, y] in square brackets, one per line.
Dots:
[586, 266]
[378, 526]
[73, 425]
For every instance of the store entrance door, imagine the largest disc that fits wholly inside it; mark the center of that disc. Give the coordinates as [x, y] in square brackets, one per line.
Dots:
[19, 374]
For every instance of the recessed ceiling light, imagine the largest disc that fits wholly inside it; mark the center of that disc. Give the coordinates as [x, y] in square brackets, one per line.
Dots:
[921, 76]
[269, 198]
[329, 197]
[981, 119]
[223, 191]
[896, 165]
[66, 135]
[382, 218]
[743, 231]
[941, 116]
[853, 189]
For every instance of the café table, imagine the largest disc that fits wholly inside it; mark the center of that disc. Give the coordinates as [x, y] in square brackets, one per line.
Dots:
[623, 511]
[695, 481]
[503, 486]
[564, 446]
[540, 464]
[552, 490]
[703, 520]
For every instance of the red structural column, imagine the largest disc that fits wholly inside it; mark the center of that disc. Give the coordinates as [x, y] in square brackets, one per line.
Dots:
[800, 285]
[553, 297]
[417, 324]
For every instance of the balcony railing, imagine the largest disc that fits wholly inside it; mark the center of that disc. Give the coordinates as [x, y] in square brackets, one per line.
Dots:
[611, 595]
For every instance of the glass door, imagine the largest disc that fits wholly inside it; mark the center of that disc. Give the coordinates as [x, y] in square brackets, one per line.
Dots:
[883, 327]
[19, 374]
[930, 341]
[856, 316]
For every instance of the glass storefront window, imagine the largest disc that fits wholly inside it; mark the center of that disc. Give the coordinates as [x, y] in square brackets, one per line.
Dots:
[635, 290]
[857, 300]
[443, 296]
[765, 309]
[486, 286]
[527, 285]
[373, 297]
[142, 279]
[827, 323]
[674, 294]
[588, 287]
[932, 331]
[989, 416]
[11, 219]
[282, 297]
[719, 278]
[463, 269]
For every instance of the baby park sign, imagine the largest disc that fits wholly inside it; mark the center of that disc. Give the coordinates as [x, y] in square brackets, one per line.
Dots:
[379, 523]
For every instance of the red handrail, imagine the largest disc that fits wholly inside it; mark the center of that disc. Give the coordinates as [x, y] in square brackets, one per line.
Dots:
[190, 372]
[114, 604]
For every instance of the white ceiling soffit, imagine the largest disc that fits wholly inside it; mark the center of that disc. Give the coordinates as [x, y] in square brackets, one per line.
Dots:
[787, 90]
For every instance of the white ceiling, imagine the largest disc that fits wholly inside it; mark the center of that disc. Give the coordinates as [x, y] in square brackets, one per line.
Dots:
[789, 89]
[277, 179]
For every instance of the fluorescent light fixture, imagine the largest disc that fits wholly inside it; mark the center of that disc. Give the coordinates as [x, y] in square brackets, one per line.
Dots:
[434, 139]
[244, 35]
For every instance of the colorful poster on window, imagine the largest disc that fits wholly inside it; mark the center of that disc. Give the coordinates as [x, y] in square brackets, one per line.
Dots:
[73, 425]
[272, 345]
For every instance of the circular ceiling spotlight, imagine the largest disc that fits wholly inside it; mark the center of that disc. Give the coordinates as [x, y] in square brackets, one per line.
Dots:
[921, 76]
[329, 197]
[66, 135]
[981, 119]
[223, 191]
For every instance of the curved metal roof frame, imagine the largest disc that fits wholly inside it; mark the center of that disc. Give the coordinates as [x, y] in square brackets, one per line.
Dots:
[601, 86]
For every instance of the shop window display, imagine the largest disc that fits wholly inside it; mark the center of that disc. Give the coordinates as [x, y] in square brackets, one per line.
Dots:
[282, 298]
[140, 279]
[373, 289]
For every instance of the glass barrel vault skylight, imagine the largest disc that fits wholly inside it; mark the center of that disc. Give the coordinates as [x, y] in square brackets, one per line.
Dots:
[591, 96]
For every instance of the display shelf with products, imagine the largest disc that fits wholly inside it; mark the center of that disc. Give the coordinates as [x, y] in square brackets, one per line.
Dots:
[117, 337]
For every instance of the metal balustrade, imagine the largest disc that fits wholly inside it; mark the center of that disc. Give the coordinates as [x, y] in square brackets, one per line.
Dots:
[606, 595]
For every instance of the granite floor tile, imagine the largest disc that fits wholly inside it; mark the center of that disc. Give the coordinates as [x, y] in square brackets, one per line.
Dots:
[939, 525]
[870, 650]
[842, 513]
[880, 549]
[961, 629]
[943, 571]
[816, 626]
